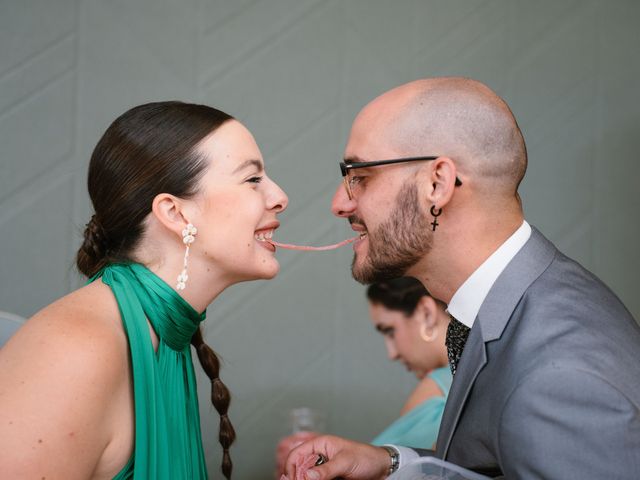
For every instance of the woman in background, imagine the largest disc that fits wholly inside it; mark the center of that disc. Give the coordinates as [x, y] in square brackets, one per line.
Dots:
[414, 326]
[100, 384]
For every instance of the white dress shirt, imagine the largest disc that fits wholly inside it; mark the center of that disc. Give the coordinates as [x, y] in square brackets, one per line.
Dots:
[466, 302]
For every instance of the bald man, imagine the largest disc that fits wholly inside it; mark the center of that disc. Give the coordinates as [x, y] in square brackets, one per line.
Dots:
[545, 357]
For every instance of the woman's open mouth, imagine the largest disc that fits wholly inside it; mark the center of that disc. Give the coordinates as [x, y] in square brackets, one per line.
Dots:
[264, 235]
[264, 238]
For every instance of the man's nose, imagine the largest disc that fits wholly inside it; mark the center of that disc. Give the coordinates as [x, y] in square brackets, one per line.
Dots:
[341, 204]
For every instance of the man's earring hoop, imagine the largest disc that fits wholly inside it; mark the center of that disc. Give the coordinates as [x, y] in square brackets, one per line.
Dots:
[188, 237]
[435, 213]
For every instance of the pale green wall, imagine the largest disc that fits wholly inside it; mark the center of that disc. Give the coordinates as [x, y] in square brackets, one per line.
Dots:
[296, 72]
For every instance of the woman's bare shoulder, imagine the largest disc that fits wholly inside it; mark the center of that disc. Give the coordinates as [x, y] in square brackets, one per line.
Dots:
[427, 388]
[59, 375]
[85, 322]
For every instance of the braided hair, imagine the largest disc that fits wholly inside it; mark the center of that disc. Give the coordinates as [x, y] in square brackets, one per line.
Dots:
[94, 247]
[220, 398]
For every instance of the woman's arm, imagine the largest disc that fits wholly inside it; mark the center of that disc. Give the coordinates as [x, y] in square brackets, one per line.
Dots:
[59, 376]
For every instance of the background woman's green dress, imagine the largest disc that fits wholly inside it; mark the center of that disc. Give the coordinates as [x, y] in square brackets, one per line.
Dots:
[419, 426]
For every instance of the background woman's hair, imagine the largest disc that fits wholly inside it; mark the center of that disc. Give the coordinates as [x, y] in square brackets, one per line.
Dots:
[148, 150]
[401, 294]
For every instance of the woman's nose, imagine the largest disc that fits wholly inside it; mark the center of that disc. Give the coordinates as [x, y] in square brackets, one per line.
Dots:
[392, 351]
[277, 200]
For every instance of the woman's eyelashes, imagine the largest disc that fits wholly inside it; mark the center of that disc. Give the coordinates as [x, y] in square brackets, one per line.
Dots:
[255, 179]
[387, 331]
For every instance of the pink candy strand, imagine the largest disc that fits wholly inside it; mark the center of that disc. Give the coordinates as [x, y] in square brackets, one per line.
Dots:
[313, 249]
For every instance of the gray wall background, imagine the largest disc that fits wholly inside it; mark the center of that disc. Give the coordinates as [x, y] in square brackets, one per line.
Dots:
[296, 72]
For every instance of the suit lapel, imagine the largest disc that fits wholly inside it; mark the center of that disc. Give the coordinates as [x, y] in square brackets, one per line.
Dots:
[474, 358]
[528, 264]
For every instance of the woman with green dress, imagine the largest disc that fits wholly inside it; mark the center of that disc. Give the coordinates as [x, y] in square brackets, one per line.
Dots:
[100, 384]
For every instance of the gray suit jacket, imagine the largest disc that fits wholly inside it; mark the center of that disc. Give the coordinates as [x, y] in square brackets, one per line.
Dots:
[548, 386]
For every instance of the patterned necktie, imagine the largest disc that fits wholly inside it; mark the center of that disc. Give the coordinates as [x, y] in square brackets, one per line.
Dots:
[457, 334]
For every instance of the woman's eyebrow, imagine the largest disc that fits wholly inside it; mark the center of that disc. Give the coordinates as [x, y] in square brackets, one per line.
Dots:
[249, 163]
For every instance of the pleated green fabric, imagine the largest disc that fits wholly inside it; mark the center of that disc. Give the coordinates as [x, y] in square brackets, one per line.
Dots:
[168, 441]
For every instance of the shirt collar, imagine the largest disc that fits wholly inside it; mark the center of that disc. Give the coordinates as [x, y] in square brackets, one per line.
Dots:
[466, 302]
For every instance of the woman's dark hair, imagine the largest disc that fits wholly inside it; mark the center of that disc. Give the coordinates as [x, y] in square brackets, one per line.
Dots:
[149, 150]
[146, 151]
[401, 294]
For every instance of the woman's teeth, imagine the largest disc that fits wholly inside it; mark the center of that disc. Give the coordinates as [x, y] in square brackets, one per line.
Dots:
[362, 235]
[264, 236]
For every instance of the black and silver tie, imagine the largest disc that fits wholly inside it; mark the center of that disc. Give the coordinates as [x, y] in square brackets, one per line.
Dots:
[457, 334]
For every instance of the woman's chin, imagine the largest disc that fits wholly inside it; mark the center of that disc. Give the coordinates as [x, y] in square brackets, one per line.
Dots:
[273, 271]
[420, 375]
[266, 272]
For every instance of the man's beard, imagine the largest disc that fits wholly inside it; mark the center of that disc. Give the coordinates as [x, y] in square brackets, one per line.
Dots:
[398, 243]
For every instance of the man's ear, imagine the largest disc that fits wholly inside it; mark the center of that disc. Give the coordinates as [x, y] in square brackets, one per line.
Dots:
[169, 211]
[441, 181]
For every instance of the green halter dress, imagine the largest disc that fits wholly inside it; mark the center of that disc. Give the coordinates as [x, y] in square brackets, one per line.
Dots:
[168, 441]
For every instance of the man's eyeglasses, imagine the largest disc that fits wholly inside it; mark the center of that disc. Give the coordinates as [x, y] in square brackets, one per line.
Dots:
[351, 182]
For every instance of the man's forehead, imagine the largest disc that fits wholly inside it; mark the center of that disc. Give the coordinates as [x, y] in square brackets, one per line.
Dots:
[373, 133]
[370, 146]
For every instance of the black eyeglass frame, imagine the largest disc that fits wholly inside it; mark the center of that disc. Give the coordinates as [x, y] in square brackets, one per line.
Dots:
[345, 167]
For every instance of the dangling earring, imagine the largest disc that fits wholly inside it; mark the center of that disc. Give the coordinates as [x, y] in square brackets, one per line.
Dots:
[427, 338]
[188, 236]
[435, 215]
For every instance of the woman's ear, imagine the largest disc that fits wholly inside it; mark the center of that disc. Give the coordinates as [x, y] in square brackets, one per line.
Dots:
[427, 309]
[169, 211]
[426, 316]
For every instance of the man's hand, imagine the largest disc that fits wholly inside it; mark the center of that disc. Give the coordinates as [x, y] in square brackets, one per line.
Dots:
[345, 459]
[287, 444]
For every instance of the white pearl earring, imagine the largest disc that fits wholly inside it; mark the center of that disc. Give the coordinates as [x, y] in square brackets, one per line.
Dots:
[188, 237]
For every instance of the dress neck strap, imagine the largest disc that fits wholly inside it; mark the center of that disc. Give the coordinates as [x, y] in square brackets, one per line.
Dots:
[172, 318]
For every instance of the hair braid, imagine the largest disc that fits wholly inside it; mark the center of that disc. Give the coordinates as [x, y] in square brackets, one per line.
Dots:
[220, 398]
[92, 255]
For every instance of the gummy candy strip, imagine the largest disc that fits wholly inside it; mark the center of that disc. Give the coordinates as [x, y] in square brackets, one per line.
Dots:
[313, 249]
